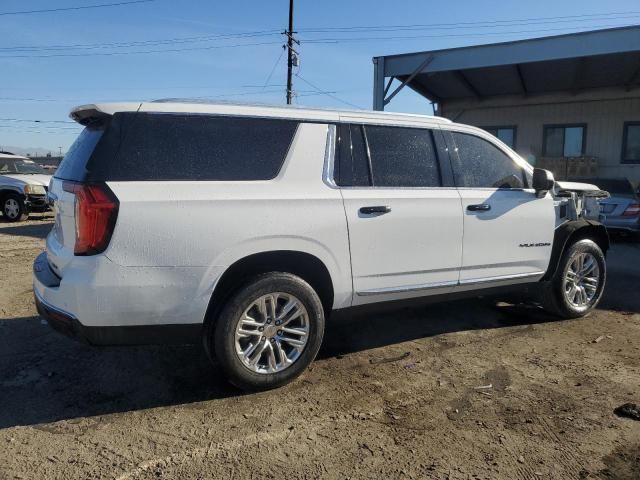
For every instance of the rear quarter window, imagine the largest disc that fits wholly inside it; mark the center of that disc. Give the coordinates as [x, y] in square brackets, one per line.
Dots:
[143, 146]
[74, 164]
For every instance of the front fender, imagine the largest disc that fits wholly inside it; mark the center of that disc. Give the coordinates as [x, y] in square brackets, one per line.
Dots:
[571, 231]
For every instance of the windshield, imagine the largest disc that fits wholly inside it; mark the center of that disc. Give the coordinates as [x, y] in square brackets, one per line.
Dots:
[20, 166]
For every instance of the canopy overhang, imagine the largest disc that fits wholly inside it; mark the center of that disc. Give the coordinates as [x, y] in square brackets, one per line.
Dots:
[564, 63]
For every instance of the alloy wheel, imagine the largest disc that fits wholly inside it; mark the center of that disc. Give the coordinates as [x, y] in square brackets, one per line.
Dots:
[581, 280]
[272, 333]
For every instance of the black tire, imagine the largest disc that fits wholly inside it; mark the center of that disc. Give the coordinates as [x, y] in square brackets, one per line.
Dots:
[13, 208]
[221, 338]
[554, 299]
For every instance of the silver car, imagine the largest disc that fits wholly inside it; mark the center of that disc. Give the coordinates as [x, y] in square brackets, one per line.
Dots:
[23, 187]
[622, 209]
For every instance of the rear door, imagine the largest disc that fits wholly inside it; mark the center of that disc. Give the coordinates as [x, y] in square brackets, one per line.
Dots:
[508, 230]
[404, 215]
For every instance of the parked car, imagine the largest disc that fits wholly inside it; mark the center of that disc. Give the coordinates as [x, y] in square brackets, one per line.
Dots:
[622, 209]
[245, 227]
[23, 187]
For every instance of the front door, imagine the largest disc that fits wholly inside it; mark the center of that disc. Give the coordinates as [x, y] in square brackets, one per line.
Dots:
[508, 230]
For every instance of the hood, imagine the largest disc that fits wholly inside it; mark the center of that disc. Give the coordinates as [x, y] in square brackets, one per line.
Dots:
[584, 188]
[31, 179]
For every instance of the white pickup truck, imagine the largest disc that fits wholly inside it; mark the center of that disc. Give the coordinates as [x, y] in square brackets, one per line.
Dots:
[245, 227]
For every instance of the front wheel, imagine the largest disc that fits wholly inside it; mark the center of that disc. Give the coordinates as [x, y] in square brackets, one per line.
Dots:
[13, 208]
[578, 283]
[268, 332]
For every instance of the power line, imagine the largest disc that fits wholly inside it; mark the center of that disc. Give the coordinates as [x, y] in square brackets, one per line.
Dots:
[335, 40]
[560, 19]
[275, 65]
[328, 94]
[139, 52]
[142, 43]
[82, 7]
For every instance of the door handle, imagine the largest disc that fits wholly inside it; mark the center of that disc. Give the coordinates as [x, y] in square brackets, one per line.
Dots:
[382, 209]
[481, 207]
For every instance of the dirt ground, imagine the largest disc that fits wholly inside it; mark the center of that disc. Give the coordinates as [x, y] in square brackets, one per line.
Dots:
[393, 395]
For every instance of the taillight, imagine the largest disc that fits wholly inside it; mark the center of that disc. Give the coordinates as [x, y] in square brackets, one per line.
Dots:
[96, 213]
[632, 210]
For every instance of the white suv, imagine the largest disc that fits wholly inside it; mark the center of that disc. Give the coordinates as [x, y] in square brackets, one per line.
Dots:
[246, 226]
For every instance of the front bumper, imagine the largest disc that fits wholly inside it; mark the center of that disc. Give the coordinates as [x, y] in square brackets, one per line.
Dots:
[629, 224]
[47, 288]
[36, 203]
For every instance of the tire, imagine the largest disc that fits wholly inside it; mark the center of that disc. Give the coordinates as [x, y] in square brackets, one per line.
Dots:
[252, 348]
[13, 208]
[558, 293]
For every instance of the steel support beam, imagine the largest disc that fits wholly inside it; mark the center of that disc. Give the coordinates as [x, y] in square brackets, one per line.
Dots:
[468, 85]
[378, 83]
[523, 84]
[418, 70]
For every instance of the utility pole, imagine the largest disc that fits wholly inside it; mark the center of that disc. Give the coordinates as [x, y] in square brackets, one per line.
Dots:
[291, 57]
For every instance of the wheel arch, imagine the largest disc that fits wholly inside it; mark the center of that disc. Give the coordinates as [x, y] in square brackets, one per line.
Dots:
[4, 191]
[303, 264]
[571, 232]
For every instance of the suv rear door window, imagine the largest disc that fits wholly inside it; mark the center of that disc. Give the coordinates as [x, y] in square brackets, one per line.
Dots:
[480, 164]
[147, 146]
[402, 157]
[352, 167]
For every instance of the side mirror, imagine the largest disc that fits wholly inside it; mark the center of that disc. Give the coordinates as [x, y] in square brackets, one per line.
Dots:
[543, 181]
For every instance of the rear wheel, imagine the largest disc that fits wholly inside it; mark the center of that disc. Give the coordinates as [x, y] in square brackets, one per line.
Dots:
[13, 208]
[268, 332]
[578, 283]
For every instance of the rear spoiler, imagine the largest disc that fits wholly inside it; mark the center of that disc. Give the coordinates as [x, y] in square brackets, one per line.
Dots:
[96, 114]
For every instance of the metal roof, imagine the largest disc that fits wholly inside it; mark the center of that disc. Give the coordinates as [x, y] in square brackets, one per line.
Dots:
[572, 62]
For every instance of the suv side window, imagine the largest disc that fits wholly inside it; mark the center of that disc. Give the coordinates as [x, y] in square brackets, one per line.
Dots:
[480, 164]
[149, 146]
[351, 163]
[402, 157]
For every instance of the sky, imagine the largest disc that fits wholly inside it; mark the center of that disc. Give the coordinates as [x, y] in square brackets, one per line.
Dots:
[150, 49]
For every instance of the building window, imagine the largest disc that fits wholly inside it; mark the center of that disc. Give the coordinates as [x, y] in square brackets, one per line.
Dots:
[564, 140]
[506, 134]
[631, 143]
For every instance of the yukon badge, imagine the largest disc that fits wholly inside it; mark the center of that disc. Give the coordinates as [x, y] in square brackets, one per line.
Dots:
[529, 245]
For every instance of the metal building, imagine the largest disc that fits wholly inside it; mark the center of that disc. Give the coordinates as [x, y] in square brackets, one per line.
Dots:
[570, 103]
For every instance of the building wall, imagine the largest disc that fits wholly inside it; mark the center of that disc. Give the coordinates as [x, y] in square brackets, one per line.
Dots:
[604, 112]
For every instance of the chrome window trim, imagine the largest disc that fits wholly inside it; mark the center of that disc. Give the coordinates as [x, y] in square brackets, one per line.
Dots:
[329, 157]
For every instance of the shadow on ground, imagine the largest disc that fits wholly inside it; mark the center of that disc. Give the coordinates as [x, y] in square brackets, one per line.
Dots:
[45, 377]
[37, 230]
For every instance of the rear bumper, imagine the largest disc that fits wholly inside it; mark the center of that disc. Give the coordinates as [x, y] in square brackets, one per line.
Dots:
[47, 289]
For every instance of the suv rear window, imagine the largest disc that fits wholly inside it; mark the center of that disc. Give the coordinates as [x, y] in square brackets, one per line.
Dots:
[152, 146]
[74, 163]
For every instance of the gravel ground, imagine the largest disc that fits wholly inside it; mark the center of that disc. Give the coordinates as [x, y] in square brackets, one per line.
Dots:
[393, 395]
